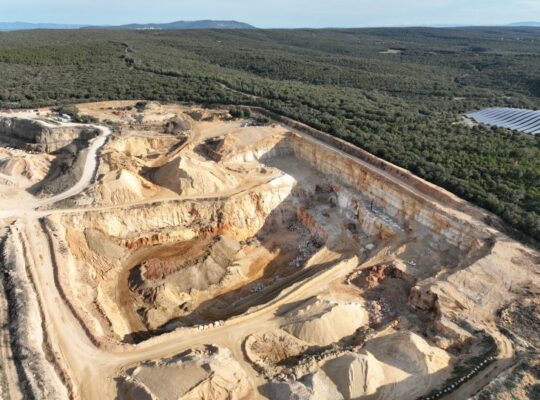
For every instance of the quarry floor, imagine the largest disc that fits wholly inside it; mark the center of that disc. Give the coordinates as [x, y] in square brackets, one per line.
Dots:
[275, 237]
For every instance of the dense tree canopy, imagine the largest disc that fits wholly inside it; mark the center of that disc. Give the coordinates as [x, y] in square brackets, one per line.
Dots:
[398, 93]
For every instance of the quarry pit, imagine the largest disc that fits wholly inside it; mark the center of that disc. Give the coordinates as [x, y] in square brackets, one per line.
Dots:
[175, 252]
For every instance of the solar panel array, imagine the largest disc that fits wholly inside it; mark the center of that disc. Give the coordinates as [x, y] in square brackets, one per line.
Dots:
[527, 121]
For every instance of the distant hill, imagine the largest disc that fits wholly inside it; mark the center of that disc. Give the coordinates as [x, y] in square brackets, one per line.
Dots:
[529, 23]
[202, 24]
[21, 26]
[205, 24]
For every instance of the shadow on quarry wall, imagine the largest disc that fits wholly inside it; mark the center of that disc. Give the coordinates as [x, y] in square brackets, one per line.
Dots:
[259, 291]
[67, 167]
[313, 190]
[282, 220]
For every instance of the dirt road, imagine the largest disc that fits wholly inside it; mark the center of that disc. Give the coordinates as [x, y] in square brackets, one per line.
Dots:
[89, 169]
[28, 207]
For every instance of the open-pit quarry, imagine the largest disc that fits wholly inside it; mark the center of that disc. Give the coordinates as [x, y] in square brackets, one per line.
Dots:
[173, 252]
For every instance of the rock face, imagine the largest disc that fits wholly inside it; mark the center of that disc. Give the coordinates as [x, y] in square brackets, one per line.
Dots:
[423, 299]
[35, 135]
[138, 147]
[203, 373]
[240, 217]
[407, 208]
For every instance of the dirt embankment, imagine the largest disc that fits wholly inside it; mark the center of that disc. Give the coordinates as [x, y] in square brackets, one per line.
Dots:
[39, 377]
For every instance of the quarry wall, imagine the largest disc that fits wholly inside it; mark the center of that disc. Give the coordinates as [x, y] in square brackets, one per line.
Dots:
[34, 136]
[421, 185]
[239, 216]
[407, 208]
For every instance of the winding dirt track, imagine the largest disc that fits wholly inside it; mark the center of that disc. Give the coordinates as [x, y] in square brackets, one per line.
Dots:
[92, 369]
[90, 166]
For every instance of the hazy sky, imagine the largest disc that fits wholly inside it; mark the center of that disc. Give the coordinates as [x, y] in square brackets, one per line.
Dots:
[275, 13]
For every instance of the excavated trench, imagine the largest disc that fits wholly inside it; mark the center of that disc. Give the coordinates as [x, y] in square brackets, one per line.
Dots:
[213, 278]
[159, 266]
[216, 259]
[227, 267]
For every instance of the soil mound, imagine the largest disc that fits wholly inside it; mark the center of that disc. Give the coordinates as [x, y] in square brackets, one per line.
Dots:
[209, 373]
[315, 386]
[25, 170]
[189, 177]
[271, 348]
[402, 364]
[120, 187]
[323, 321]
[356, 375]
[409, 352]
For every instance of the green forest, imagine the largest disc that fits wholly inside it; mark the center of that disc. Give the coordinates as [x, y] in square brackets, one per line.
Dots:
[397, 93]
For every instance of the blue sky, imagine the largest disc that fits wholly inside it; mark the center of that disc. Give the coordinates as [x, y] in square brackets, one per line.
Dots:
[275, 13]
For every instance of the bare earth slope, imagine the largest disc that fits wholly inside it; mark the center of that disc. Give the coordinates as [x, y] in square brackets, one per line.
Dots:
[197, 256]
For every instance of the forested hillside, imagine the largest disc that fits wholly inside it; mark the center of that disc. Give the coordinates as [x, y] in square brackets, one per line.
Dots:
[398, 93]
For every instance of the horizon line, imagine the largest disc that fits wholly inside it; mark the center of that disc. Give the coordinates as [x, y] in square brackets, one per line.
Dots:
[425, 25]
